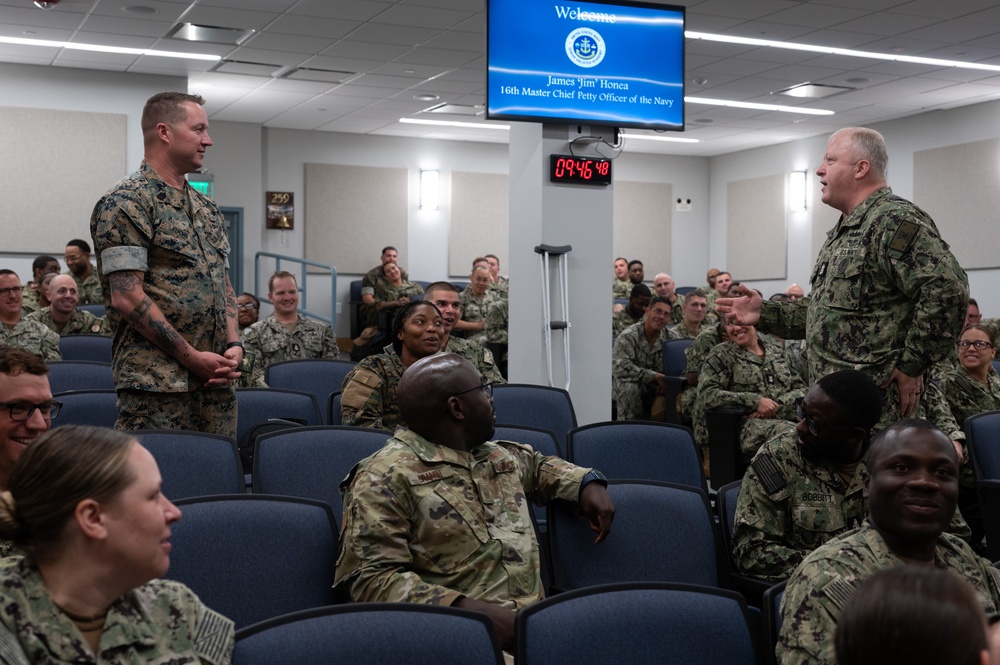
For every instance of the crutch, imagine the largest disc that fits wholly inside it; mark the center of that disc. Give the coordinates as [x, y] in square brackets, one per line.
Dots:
[545, 252]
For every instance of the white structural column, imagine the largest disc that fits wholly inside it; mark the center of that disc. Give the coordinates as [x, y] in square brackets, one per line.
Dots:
[559, 214]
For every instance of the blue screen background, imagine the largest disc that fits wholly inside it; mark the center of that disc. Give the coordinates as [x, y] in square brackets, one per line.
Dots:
[644, 49]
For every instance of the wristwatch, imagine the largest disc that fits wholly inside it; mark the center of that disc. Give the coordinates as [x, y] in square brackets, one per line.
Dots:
[593, 476]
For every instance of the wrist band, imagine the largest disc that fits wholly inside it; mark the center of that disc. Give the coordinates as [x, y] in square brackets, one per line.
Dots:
[232, 344]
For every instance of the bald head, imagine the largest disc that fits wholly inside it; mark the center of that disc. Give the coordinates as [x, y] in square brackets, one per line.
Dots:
[437, 398]
[663, 284]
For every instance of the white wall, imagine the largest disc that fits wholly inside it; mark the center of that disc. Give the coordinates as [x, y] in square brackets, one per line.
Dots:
[903, 137]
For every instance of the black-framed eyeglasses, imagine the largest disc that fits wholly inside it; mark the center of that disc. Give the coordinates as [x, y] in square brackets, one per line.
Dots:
[16, 290]
[21, 411]
[485, 386]
[811, 425]
[245, 305]
[978, 344]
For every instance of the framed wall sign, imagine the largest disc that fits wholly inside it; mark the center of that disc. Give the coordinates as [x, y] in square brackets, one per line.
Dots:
[279, 210]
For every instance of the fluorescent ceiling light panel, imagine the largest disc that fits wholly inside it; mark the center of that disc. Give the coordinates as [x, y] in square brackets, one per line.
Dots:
[107, 49]
[246, 68]
[851, 53]
[650, 137]
[758, 107]
[450, 123]
[318, 75]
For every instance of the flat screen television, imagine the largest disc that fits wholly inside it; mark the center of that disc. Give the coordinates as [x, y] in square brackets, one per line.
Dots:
[615, 63]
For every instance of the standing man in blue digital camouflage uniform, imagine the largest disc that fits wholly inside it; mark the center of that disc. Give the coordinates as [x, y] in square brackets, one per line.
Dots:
[162, 254]
[887, 295]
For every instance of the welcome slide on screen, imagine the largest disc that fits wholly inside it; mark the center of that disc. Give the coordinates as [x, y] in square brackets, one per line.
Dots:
[587, 62]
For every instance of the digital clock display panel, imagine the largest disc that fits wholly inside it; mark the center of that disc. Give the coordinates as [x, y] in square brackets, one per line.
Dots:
[581, 170]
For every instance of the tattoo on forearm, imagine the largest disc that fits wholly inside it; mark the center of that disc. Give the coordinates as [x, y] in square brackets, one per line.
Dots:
[167, 338]
[230, 304]
[124, 282]
[137, 316]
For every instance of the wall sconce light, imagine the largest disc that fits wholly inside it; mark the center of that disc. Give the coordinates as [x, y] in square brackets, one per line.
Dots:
[428, 190]
[797, 191]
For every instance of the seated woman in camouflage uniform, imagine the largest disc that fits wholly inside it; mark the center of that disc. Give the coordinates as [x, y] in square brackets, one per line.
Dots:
[750, 372]
[84, 506]
[393, 292]
[368, 397]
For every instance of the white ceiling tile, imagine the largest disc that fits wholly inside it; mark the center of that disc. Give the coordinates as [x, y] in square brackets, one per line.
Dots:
[366, 50]
[392, 34]
[422, 17]
[311, 26]
[349, 10]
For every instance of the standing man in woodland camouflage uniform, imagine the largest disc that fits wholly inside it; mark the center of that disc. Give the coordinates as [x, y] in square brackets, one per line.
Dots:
[911, 486]
[887, 295]
[805, 488]
[445, 297]
[285, 335]
[162, 254]
[637, 364]
[437, 516]
[20, 332]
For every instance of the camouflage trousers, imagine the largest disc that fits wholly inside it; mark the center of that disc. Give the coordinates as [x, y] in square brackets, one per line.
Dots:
[210, 411]
[635, 401]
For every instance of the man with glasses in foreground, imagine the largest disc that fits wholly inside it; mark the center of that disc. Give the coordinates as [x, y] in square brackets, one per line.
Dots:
[438, 516]
[26, 410]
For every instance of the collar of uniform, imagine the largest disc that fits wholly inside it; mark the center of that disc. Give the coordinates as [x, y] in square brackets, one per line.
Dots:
[854, 219]
[164, 192]
[124, 624]
[431, 452]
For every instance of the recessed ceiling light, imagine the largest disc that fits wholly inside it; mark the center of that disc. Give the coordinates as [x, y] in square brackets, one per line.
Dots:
[425, 97]
[812, 90]
[700, 80]
[210, 33]
[141, 10]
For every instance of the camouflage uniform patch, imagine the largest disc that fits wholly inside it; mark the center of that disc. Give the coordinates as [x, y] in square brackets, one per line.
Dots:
[621, 289]
[368, 395]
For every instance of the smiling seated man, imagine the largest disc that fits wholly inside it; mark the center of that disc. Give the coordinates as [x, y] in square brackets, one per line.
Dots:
[438, 516]
[286, 334]
[911, 485]
[26, 410]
